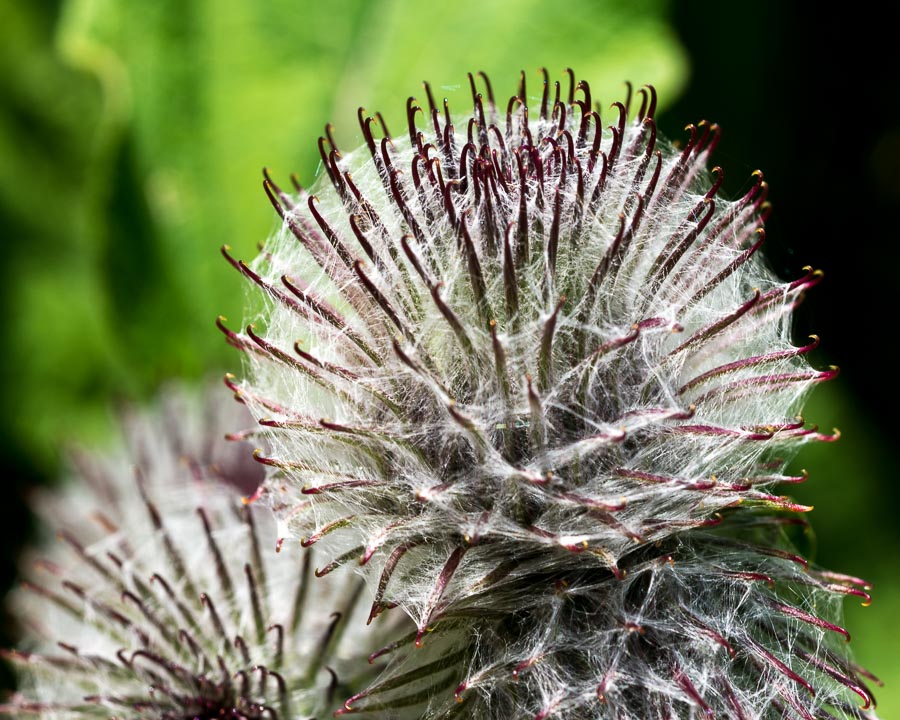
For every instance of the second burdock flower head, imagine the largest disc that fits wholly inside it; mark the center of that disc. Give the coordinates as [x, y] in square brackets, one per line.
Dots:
[506, 353]
[164, 598]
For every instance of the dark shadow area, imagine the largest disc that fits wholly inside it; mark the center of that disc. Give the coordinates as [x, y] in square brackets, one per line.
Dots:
[810, 98]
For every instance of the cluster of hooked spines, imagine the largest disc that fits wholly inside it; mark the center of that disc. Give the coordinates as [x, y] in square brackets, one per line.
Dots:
[164, 597]
[535, 334]
[520, 365]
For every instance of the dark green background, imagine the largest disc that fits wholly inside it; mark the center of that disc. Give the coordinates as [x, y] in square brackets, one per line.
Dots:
[132, 136]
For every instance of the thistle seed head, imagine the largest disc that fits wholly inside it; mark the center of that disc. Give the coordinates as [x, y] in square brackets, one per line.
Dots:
[164, 597]
[518, 340]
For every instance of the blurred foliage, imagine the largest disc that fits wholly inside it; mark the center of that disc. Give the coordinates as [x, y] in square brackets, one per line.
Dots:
[133, 137]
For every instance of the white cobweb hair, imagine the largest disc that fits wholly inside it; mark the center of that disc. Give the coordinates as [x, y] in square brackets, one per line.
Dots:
[516, 343]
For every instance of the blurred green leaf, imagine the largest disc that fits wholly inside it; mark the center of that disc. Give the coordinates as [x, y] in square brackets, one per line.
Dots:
[56, 357]
[137, 132]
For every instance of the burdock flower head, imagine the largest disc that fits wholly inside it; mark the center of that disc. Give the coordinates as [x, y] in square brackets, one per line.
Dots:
[527, 354]
[163, 597]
